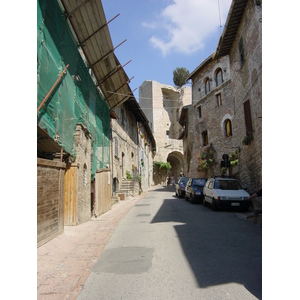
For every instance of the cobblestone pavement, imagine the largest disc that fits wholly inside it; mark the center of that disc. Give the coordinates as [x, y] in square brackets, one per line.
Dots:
[64, 263]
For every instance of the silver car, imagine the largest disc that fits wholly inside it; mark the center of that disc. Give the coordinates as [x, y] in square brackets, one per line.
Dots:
[225, 193]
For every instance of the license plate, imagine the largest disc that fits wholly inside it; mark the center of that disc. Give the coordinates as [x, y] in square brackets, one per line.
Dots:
[198, 193]
[235, 204]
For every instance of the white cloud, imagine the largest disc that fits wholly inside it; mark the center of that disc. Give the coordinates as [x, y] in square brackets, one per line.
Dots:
[186, 24]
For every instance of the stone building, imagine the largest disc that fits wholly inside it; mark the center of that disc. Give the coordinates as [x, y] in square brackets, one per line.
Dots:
[242, 41]
[226, 110]
[208, 121]
[132, 150]
[162, 105]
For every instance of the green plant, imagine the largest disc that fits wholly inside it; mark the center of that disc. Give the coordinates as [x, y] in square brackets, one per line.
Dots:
[128, 175]
[160, 165]
[247, 139]
[234, 158]
[206, 158]
[180, 76]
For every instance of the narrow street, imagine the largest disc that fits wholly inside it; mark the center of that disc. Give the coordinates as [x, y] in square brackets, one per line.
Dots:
[167, 248]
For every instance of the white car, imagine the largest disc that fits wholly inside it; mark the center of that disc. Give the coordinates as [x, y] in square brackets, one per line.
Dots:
[225, 193]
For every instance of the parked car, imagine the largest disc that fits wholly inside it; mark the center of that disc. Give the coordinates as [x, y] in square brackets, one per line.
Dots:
[180, 186]
[225, 193]
[194, 189]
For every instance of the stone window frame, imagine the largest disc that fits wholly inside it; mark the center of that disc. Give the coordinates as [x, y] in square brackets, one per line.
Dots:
[206, 85]
[226, 117]
[218, 73]
[228, 131]
[204, 137]
[199, 111]
[219, 99]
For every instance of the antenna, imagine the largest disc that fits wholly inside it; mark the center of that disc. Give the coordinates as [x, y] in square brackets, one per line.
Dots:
[220, 17]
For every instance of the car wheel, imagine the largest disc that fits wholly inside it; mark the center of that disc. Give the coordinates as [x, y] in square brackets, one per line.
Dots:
[186, 198]
[214, 205]
[204, 202]
[192, 199]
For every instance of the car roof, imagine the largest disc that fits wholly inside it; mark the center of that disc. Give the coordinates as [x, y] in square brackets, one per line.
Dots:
[223, 178]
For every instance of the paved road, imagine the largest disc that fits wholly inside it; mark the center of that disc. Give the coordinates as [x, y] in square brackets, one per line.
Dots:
[167, 248]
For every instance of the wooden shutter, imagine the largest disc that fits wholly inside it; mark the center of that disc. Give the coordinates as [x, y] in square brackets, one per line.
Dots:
[248, 120]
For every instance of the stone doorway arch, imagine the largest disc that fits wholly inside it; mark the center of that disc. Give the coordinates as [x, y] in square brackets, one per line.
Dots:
[175, 159]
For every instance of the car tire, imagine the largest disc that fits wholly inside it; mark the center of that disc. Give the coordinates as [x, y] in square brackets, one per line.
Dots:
[192, 200]
[204, 202]
[186, 198]
[214, 205]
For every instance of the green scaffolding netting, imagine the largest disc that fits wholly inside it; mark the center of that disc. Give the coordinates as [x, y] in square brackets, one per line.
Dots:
[75, 99]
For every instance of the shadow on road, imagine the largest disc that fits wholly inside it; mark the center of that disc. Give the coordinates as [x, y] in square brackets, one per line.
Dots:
[220, 247]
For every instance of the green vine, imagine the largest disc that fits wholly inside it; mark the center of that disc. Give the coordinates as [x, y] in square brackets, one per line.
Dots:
[234, 158]
[160, 165]
[247, 139]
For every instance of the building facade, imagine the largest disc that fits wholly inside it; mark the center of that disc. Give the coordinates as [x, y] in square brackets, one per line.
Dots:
[226, 110]
[208, 121]
[245, 53]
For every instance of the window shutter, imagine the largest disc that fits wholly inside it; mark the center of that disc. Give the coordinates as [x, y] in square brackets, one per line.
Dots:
[248, 120]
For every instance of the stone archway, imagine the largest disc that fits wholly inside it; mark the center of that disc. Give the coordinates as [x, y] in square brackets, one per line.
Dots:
[175, 159]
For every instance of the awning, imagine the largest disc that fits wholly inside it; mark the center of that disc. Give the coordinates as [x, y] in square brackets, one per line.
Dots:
[89, 24]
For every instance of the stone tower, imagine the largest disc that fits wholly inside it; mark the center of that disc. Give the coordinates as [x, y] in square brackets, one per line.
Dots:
[162, 106]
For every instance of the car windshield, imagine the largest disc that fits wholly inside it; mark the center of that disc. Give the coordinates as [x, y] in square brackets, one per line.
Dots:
[227, 185]
[184, 180]
[199, 182]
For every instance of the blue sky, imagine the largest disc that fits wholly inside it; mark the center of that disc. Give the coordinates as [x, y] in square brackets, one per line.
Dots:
[163, 35]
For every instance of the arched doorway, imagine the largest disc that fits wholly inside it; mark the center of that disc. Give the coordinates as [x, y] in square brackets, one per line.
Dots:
[175, 159]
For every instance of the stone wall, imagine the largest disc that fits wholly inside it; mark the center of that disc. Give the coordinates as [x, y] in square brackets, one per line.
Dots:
[211, 119]
[83, 159]
[124, 144]
[247, 85]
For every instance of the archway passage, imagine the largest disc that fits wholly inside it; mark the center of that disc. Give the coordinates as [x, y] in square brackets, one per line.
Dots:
[175, 159]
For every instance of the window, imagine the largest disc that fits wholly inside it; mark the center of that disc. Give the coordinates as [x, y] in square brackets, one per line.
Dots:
[219, 77]
[219, 99]
[241, 51]
[85, 175]
[199, 111]
[123, 118]
[248, 120]
[186, 127]
[205, 138]
[116, 146]
[207, 85]
[228, 128]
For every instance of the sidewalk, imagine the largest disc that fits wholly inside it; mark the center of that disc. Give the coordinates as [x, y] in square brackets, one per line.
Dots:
[64, 263]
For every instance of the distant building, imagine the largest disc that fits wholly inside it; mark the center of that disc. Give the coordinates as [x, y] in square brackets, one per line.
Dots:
[162, 105]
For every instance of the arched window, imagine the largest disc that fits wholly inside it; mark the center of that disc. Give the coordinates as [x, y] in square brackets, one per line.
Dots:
[219, 77]
[228, 128]
[207, 85]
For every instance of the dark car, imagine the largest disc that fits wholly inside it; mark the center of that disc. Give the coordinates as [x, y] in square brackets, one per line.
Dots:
[180, 186]
[194, 189]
